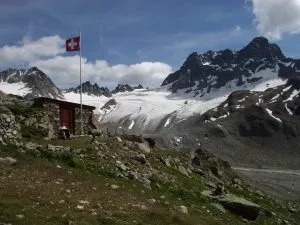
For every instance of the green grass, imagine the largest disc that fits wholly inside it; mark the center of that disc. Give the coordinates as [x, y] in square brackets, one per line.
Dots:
[43, 177]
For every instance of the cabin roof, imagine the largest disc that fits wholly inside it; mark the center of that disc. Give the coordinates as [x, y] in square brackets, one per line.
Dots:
[38, 101]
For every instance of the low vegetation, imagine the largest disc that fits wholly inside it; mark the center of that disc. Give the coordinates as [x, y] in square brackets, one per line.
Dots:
[106, 183]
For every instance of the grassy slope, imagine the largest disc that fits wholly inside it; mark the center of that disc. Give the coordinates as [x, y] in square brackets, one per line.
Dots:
[47, 189]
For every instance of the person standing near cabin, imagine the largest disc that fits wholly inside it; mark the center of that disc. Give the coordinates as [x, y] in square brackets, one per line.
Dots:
[64, 130]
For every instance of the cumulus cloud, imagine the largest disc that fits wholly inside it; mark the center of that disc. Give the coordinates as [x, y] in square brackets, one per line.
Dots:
[47, 54]
[65, 71]
[273, 18]
[28, 50]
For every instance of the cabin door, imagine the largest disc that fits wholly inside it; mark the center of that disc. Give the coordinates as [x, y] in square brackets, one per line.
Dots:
[66, 117]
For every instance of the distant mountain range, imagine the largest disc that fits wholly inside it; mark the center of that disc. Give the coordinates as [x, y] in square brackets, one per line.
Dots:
[40, 85]
[217, 72]
[94, 89]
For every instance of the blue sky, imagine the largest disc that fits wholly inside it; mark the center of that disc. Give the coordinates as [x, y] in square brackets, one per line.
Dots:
[131, 32]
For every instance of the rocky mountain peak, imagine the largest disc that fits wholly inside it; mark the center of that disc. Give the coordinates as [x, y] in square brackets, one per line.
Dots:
[122, 88]
[260, 48]
[230, 70]
[34, 79]
[192, 57]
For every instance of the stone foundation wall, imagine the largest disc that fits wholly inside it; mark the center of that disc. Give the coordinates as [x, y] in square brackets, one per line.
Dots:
[52, 110]
[9, 128]
[86, 119]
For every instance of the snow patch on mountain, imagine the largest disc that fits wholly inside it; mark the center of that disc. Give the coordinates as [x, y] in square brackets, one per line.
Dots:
[293, 94]
[15, 88]
[167, 122]
[97, 101]
[288, 110]
[271, 114]
[131, 125]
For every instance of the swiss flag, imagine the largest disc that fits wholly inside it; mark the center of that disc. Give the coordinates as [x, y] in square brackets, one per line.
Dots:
[73, 44]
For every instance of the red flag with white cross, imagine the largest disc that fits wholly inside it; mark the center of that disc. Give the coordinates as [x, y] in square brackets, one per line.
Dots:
[73, 44]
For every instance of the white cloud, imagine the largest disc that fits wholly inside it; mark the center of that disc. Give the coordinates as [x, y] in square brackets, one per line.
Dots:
[27, 50]
[273, 18]
[46, 54]
[65, 71]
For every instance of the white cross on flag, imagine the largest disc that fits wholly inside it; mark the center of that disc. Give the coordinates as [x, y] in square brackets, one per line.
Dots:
[73, 44]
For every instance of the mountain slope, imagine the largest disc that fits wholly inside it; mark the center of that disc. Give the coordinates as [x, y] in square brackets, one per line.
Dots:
[215, 73]
[249, 128]
[30, 83]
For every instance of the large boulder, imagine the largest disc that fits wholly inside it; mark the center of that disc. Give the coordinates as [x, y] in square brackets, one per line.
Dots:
[144, 147]
[211, 165]
[58, 149]
[240, 206]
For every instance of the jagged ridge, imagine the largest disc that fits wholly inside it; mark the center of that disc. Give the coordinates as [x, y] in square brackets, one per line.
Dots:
[94, 89]
[232, 70]
[34, 79]
[91, 89]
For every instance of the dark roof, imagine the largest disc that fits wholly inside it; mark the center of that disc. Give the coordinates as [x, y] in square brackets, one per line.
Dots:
[38, 101]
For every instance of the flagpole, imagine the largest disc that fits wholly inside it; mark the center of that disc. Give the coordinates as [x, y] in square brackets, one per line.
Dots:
[81, 122]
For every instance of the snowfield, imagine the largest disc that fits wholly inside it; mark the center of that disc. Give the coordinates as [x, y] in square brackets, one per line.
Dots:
[14, 88]
[146, 109]
[152, 105]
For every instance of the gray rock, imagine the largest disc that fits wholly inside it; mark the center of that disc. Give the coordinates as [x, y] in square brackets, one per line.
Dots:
[58, 148]
[166, 160]
[151, 200]
[241, 206]
[129, 144]
[198, 171]
[1, 141]
[30, 121]
[4, 110]
[114, 186]
[7, 161]
[119, 139]
[144, 147]
[182, 209]
[210, 184]
[220, 189]
[32, 146]
[237, 181]
[141, 158]
[121, 166]
[50, 131]
[216, 171]
[95, 133]
[183, 170]
[146, 182]
[219, 207]
[132, 175]
[43, 126]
